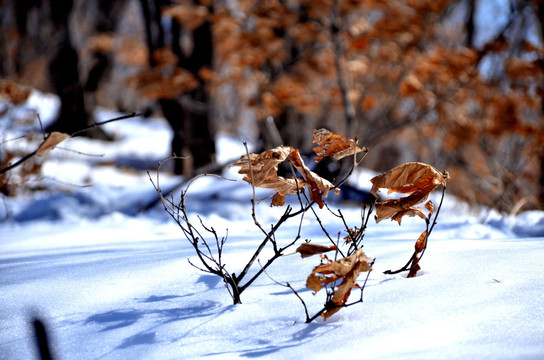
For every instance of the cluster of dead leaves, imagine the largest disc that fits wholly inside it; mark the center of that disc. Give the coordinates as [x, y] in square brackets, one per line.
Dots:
[329, 272]
[261, 170]
[417, 180]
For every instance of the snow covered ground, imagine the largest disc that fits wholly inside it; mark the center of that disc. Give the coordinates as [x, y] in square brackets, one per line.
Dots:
[111, 282]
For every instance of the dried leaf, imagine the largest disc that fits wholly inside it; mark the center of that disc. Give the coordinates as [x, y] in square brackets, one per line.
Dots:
[50, 142]
[331, 271]
[414, 268]
[261, 170]
[352, 233]
[421, 242]
[278, 200]
[414, 178]
[407, 178]
[347, 269]
[399, 214]
[317, 186]
[331, 144]
[429, 206]
[309, 249]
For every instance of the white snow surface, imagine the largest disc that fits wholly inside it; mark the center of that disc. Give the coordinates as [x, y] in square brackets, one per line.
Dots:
[110, 282]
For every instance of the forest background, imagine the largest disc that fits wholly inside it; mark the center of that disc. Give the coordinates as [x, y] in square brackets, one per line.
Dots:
[454, 83]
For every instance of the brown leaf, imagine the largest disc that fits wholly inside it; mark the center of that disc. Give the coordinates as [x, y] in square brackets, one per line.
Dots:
[50, 142]
[331, 144]
[261, 170]
[278, 200]
[429, 206]
[407, 178]
[317, 186]
[309, 249]
[414, 178]
[414, 268]
[410, 212]
[421, 242]
[331, 271]
[353, 232]
[347, 269]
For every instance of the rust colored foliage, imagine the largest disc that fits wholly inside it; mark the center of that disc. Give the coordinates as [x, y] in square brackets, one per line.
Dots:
[329, 272]
[330, 144]
[309, 249]
[417, 180]
[261, 170]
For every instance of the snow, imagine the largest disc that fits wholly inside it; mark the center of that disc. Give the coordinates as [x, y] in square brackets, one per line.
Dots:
[112, 282]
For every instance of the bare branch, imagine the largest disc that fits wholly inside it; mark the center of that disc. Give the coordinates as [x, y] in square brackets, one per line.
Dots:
[32, 154]
[416, 256]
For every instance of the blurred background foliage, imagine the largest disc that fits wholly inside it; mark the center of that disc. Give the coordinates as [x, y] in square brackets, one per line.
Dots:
[458, 84]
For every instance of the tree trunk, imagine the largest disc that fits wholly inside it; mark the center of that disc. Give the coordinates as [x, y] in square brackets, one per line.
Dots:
[64, 73]
[190, 120]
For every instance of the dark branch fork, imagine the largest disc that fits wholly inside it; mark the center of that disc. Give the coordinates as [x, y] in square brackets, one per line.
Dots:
[210, 257]
[210, 252]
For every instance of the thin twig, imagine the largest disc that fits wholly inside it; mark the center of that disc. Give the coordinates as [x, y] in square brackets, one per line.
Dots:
[416, 256]
[30, 155]
[41, 125]
[79, 152]
[93, 125]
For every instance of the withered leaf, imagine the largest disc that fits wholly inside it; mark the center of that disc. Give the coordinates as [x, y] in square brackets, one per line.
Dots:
[50, 142]
[347, 269]
[407, 178]
[331, 144]
[309, 249]
[414, 268]
[261, 170]
[317, 186]
[330, 271]
[414, 178]
[421, 242]
[353, 232]
[429, 206]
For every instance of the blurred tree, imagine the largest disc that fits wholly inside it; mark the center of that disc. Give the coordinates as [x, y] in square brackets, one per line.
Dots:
[455, 83]
[420, 85]
[64, 73]
[39, 50]
[183, 95]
